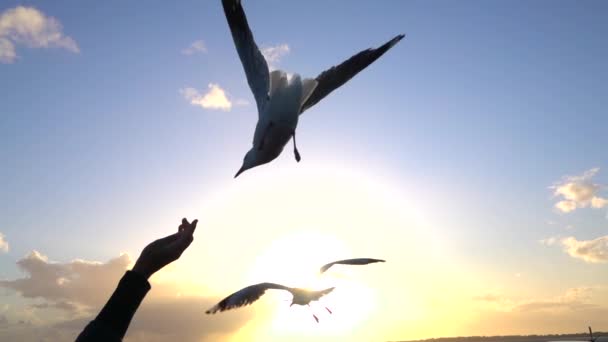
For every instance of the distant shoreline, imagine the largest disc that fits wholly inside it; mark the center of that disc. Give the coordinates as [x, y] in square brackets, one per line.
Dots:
[513, 338]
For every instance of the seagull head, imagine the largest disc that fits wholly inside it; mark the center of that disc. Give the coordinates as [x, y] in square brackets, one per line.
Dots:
[252, 159]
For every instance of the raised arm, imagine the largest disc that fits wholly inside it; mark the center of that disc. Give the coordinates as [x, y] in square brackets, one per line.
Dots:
[112, 322]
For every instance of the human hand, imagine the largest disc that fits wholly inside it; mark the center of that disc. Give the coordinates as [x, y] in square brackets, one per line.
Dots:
[162, 252]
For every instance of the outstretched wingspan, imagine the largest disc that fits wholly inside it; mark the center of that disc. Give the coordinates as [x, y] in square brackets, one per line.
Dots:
[359, 261]
[245, 297]
[334, 77]
[252, 59]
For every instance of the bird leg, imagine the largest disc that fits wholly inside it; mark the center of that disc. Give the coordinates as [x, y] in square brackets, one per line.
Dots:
[326, 308]
[295, 148]
[270, 124]
[313, 315]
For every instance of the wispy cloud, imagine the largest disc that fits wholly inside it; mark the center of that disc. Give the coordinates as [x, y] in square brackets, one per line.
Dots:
[579, 192]
[198, 46]
[573, 299]
[3, 244]
[215, 98]
[29, 27]
[274, 54]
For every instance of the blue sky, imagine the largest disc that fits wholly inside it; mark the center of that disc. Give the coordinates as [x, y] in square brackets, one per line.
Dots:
[472, 117]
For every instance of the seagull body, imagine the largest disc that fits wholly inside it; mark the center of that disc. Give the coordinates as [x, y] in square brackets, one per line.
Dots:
[281, 99]
[358, 261]
[277, 124]
[250, 294]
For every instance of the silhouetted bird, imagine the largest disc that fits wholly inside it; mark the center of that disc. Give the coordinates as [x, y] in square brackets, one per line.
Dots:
[281, 99]
[359, 261]
[252, 293]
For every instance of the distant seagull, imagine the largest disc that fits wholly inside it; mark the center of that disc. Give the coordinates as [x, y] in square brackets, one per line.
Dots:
[250, 294]
[359, 261]
[280, 98]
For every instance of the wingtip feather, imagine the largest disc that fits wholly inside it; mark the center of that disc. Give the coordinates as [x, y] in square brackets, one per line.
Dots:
[397, 39]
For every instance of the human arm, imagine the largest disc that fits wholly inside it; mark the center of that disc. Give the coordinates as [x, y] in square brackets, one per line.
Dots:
[112, 322]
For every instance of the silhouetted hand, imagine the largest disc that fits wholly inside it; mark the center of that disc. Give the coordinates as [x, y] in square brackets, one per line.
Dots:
[162, 252]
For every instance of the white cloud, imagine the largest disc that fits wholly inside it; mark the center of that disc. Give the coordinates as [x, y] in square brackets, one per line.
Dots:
[592, 251]
[7, 51]
[29, 27]
[566, 206]
[578, 192]
[273, 54]
[3, 244]
[214, 98]
[198, 46]
[599, 202]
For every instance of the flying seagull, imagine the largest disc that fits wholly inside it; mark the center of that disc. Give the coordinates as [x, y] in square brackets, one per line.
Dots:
[359, 261]
[280, 97]
[250, 294]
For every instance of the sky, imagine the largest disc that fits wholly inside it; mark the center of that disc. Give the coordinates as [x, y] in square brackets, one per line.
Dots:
[471, 156]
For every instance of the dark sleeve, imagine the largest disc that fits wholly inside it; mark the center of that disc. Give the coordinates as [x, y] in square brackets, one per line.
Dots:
[112, 322]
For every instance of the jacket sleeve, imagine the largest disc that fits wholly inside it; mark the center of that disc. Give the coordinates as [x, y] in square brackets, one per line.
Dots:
[112, 322]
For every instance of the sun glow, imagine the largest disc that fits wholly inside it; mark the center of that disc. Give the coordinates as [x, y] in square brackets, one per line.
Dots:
[284, 228]
[294, 260]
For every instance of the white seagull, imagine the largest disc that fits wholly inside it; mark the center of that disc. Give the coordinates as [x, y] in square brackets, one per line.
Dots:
[358, 261]
[250, 294]
[280, 98]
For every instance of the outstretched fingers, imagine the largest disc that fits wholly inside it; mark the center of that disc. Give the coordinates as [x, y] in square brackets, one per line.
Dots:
[185, 236]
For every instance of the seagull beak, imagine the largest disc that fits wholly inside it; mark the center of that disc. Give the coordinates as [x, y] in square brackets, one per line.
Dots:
[239, 171]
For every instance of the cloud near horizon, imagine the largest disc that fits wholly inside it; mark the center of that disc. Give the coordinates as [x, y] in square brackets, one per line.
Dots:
[566, 311]
[80, 288]
[573, 299]
[29, 27]
[579, 192]
[79, 281]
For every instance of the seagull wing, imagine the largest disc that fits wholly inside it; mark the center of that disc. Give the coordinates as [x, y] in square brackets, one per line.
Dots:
[358, 261]
[245, 297]
[321, 293]
[334, 77]
[252, 59]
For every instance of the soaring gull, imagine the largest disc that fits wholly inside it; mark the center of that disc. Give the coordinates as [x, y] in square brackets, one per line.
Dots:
[358, 261]
[250, 294]
[280, 97]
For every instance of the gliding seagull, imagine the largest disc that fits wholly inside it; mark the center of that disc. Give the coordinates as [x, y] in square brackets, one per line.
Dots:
[281, 99]
[250, 294]
[358, 261]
